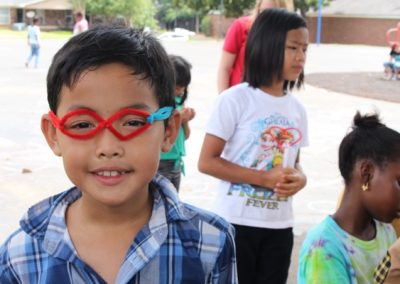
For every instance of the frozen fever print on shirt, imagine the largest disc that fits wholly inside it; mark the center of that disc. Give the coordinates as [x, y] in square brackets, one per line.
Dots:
[272, 142]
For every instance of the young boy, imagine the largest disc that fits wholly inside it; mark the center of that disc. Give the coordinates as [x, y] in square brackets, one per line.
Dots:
[122, 223]
[392, 67]
[34, 42]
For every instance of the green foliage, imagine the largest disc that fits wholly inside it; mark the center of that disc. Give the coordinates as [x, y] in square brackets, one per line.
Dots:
[99, 7]
[205, 26]
[171, 13]
[305, 5]
[6, 33]
[138, 13]
[235, 8]
[198, 6]
[78, 5]
[232, 8]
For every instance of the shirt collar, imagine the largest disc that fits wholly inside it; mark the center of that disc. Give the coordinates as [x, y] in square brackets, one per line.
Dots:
[46, 219]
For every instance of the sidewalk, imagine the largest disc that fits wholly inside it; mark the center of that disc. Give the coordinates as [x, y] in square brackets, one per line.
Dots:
[23, 100]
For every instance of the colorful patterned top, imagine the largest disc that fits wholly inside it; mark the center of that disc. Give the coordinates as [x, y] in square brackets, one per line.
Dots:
[331, 255]
[180, 244]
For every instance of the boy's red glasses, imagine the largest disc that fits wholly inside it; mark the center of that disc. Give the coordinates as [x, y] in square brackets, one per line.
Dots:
[124, 124]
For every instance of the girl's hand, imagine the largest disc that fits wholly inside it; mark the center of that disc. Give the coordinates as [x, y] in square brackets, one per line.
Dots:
[187, 114]
[270, 178]
[291, 183]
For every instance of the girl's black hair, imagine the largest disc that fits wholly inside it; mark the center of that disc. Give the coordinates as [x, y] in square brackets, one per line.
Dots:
[182, 74]
[103, 45]
[369, 139]
[265, 48]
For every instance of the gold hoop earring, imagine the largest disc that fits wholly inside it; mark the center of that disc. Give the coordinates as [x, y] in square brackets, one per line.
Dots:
[364, 187]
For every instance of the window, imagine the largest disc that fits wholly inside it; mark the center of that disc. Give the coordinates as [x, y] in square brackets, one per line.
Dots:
[4, 16]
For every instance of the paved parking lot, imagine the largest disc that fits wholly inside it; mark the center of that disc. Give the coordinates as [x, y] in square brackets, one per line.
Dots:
[23, 149]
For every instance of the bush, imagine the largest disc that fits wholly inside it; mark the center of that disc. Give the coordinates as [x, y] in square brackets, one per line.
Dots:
[205, 25]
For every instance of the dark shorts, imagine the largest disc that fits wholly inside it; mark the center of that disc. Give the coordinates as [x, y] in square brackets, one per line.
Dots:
[172, 171]
[263, 255]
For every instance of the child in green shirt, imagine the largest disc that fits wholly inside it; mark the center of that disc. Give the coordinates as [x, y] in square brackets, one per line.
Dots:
[171, 163]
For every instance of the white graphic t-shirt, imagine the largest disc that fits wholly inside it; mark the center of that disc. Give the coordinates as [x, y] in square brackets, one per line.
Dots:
[261, 131]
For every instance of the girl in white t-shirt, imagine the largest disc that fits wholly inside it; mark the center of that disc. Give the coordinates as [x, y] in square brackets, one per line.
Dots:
[252, 145]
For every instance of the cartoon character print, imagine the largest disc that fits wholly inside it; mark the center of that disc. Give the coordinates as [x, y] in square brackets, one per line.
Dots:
[272, 142]
[265, 150]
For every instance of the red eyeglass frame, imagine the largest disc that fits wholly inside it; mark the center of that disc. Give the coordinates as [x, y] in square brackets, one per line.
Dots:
[103, 123]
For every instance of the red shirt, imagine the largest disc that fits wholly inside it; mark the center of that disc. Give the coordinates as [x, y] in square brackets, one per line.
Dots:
[235, 43]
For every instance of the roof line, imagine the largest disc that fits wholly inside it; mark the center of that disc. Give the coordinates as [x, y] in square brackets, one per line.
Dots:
[22, 5]
[361, 16]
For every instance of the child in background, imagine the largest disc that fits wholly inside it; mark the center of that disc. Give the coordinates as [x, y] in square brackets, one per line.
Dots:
[81, 24]
[252, 126]
[392, 67]
[111, 95]
[33, 42]
[171, 163]
[230, 70]
[347, 246]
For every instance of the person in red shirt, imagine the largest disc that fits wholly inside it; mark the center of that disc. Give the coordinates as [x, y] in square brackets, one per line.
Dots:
[230, 70]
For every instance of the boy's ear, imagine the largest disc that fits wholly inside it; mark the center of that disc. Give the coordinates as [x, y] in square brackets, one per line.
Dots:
[171, 131]
[49, 132]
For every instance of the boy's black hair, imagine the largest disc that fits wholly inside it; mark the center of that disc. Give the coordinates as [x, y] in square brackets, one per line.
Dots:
[369, 139]
[104, 45]
[182, 74]
[265, 48]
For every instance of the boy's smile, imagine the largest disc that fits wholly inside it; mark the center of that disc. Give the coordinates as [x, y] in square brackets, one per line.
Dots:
[110, 171]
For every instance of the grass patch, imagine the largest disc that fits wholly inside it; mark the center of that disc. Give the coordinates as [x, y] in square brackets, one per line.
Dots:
[7, 33]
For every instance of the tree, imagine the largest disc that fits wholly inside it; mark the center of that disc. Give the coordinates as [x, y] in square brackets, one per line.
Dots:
[231, 8]
[305, 5]
[79, 5]
[139, 13]
[199, 7]
[168, 15]
[235, 8]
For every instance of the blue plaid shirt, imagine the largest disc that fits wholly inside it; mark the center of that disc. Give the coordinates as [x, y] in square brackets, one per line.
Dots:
[180, 244]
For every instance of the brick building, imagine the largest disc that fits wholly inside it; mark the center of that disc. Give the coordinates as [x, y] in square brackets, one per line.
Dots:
[343, 21]
[52, 14]
[356, 21]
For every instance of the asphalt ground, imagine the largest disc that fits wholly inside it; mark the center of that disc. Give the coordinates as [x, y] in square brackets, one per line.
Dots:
[30, 172]
[363, 84]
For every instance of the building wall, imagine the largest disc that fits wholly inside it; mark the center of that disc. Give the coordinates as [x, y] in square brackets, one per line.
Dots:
[55, 18]
[13, 15]
[48, 19]
[342, 30]
[219, 25]
[368, 31]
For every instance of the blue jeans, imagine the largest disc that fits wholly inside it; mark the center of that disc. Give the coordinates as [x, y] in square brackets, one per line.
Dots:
[34, 54]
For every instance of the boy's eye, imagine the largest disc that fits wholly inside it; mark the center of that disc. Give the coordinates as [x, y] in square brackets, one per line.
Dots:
[135, 123]
[80, 125]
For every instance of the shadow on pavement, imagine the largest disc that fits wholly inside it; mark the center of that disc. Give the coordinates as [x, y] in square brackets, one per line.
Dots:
[363, 84]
